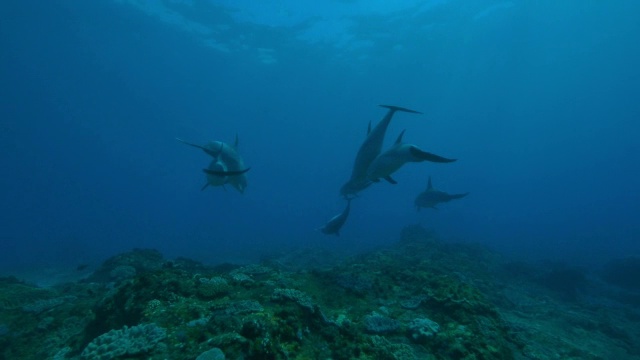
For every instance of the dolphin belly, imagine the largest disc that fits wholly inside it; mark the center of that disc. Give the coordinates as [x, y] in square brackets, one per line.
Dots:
[235, 163]
[385, 165]
[214, 177]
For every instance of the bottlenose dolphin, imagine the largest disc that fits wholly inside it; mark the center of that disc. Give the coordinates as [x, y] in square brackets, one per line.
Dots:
[227, 166]
[334, 225]
[369, 150]
[399, 154]
[432, 197]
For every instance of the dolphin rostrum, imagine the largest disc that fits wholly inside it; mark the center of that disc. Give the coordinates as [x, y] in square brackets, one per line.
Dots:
[399, 154]
[227, 167]
[334, 225]
[432, 197]
[369, 150]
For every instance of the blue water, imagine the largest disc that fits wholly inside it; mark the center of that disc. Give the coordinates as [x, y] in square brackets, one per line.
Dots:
[538, 101]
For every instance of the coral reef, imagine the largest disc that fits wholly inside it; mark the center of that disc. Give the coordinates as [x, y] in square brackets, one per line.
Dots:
[417, 299]
[623, 272]
[127, 341]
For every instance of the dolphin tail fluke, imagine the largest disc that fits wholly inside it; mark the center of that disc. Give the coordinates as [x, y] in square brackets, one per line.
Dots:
[426, 156]
[398, 108]
[225, 172]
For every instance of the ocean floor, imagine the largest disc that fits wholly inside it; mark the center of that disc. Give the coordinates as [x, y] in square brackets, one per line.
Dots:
[417, 299]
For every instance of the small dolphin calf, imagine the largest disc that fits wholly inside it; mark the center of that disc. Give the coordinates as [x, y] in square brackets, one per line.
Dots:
[227, 167]
[369, 150]
[399, 154]
[334, 225]
[432, 197]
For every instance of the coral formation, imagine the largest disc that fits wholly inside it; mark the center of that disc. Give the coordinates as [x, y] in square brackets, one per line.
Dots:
[127, 341]
[418, 299]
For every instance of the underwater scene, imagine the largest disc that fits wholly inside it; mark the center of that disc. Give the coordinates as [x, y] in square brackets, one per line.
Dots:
[346, 179]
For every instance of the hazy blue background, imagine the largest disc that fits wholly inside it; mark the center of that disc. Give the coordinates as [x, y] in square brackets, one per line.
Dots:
[539, 101]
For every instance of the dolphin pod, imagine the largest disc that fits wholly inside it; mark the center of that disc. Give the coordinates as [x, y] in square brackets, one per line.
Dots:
[369, 166]
[227, 166]
[369, 150]
[432, 197]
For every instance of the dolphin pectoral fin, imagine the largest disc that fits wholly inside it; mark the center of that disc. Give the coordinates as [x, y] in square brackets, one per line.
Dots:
[204, 186]
[225, 173]
[238, 172]
[390, 180]
[426, 156]
[398, 108]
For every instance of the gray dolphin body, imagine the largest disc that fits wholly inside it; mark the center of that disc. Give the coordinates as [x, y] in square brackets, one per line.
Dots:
[399, 154]
[432, 197]
[227, 166]
[369, 150]
[334, 225]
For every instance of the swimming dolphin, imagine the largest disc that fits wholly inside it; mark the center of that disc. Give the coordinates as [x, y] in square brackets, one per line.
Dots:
[432, 197]
[399, 154]
[227, 167]
[369, 150]
[334, 225]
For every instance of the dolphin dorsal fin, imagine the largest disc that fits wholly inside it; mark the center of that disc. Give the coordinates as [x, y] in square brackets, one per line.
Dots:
[399, 139]
[235, 143]
[429, 186]
[369, 128]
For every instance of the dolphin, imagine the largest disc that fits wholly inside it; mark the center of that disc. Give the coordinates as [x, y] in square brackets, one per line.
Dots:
[227, 167]
[432, 197]
[334, 225]
[369, 150]
[399, 154]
